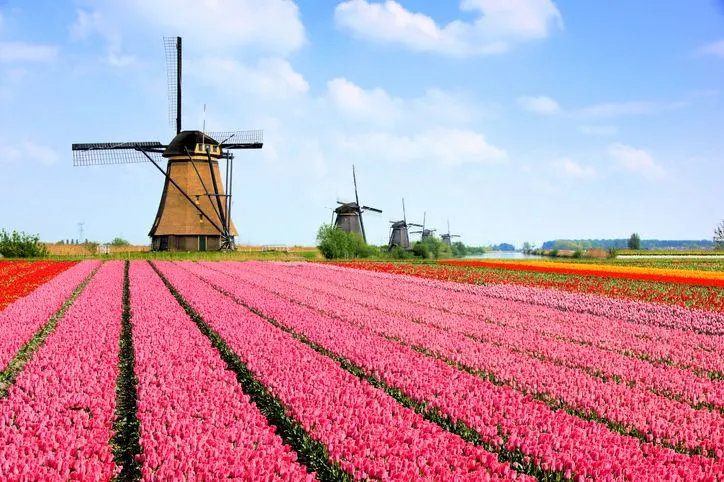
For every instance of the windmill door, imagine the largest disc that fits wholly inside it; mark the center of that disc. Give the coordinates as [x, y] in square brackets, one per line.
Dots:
[202, 243]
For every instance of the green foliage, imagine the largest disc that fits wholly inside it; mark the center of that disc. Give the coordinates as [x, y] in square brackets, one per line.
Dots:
[421, 250]
[119, 242]
[398, 253]
[719, 236]
[634, 242]
[578, 253]
[335, 243]
[612, 253]
[554, 253]
[459, 249]
[21, 245]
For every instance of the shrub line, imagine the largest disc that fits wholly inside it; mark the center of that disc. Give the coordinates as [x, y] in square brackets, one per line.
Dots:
[23, 356]
[311, 453]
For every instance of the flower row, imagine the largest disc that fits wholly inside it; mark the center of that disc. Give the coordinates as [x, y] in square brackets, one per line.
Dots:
[386, 296]
[55, 423]
[554, 440]
[24, 317]
[196, 422]
[692, 296]
[365, 430]
[18, 278]
[634, 409]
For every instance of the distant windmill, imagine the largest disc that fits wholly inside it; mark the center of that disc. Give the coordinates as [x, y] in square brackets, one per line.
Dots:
[447, 237]
[426, 233]
[398, 231]
[349, 215]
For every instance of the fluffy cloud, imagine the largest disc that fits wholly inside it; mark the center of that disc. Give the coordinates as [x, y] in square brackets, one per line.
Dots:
[715, 48]
[270, 78]
[87, 24]
[447, 146]
[500, 24]
[540, 105]
[573, 169]
[635, 160]
[26, 52]
[273, 25]
[26, 150]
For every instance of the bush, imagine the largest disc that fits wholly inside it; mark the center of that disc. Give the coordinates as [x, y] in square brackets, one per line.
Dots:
[119, 242]
[398, 253]
[553, 253]
[577, 253]
[21, 245]
[421, 250]
[335, 243]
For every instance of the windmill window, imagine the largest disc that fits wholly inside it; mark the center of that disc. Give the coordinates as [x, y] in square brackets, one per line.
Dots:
[201, 218]
[198, 197]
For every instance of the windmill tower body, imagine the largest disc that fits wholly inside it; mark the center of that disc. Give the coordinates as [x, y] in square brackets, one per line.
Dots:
[349, 215]
[179, 225]
[348, 218]
[399, 235]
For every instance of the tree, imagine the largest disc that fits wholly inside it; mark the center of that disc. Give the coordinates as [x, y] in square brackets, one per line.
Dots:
[719, 236]
[634, 242]
[119, 242]
[21, 245]
[334, 243]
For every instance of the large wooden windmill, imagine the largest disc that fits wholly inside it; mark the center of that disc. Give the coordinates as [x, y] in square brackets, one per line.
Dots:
[399, 235]
[349, 215]
[194, 213]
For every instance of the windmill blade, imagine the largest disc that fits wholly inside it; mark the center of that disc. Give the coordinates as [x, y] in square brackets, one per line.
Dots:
[415, 224]
[251, 139]
[404, 216]
[374, 210]
[173, 73]
[99, 154]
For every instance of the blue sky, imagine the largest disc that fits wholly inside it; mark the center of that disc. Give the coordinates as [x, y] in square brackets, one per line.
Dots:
[517, 120]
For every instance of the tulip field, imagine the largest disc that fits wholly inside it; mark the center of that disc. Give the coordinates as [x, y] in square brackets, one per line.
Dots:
[295, 371]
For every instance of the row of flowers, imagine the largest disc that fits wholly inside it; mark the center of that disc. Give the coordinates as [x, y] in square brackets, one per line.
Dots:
[19, 278]
[196, 422]
[504, 418]
[630, 409]
[365, 430]
[422, 304]
[694, 277]
[23, 318]
[55, 423]
[691, 296]
[655, 314]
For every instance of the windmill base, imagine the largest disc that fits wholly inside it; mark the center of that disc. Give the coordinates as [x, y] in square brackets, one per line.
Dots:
[187, 243]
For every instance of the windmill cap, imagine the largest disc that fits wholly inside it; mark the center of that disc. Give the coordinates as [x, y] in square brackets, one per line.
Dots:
[187, 140]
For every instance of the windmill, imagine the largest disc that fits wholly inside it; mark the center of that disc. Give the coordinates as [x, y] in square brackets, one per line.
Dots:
[349, 215]
[398, 231]
[425, 233]
[194, 213]
[447, 237]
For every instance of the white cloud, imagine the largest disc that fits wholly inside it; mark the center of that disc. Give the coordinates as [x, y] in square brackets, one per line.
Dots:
[500, 24]
[574, 169]
[87, 24]
[598, 130]
[25, 150]
[270, 78]
[444, 145]
[635, 160]
[619, 109]
[25, 52]
[379, 107]
[273, 25]
[540, 105]
[715, 48]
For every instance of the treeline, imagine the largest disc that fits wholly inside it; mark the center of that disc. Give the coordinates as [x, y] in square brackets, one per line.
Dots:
[582, 244]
